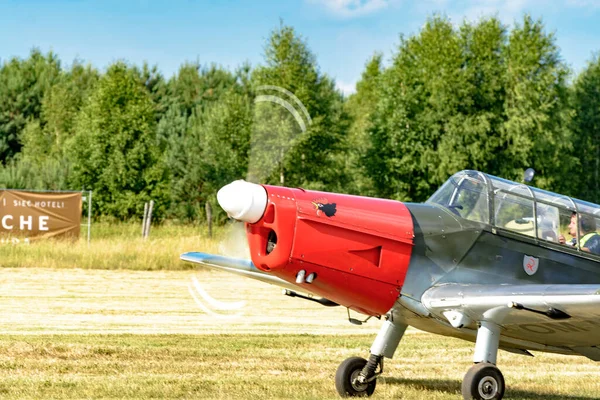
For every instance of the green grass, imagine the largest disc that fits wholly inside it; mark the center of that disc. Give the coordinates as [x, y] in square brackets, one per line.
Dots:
[133, 230]
[261, 367]
[138, 334]
[112, 326]
[117, 246]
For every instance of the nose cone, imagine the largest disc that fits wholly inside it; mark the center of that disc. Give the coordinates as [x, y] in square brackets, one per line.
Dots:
[243, 200]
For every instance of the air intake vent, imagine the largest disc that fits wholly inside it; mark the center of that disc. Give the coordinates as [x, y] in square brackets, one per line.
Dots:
[372, 255]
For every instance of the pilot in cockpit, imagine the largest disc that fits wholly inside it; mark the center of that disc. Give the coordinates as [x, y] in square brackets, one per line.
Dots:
[590, 239]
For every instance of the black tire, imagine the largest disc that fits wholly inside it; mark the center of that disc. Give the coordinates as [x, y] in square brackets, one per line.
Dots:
[483, 382]
[346, 373]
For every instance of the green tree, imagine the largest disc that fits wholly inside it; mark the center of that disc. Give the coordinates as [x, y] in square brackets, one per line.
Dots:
[225, 133]
[212, 152]
[421, 93]
[535, 133]
[359, 107]
[190, 95]
[47, 137]
[314, 123]
[114, 151]
[156, 85]
[472, 135]
[586, 133]
[182, 157]
[195, 85]
[23, 84]
[192, 87]
[43, 159]
[469, 98]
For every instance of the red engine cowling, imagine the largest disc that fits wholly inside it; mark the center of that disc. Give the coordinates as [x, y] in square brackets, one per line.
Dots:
[357, 248]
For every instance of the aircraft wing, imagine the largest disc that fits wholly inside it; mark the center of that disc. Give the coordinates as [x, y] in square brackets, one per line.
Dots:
[236, 266]
[562, 317]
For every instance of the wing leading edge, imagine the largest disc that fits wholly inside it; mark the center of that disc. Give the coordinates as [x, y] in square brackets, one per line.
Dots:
[563, 317]
[236, 266]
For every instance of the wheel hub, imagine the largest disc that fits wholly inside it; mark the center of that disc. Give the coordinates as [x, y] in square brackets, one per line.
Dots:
[488, 387]
[356, 384]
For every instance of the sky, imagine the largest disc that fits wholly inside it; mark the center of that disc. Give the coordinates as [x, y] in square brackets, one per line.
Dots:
[343, 34]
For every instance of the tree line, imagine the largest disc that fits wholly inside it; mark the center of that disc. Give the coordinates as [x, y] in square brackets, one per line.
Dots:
[476, 96]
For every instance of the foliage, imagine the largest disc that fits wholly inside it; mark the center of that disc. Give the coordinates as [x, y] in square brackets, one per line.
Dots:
[422, 101]
[359, 108]
[478, 95]
[314, 135]
[585, 127]
[156, 85]
[23, 84]
[60, 106]
[114, 151]
[535, 131]
[212, 152]
[195, 86]
[199, 101]
[469, 98]
[48, 174]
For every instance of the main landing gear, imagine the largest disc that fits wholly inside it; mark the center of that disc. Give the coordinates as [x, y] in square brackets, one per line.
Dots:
[351, 382]
[484, 381]
[356, 377]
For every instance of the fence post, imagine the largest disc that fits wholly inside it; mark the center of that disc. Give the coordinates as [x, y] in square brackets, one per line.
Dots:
[144, 219]
[89, 217]
[208, 208]
[149, 218]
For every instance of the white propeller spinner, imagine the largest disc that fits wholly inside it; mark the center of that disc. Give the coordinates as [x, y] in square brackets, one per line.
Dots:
[244, 201]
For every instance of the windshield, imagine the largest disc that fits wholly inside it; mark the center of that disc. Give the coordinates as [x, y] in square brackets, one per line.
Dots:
[465, 195]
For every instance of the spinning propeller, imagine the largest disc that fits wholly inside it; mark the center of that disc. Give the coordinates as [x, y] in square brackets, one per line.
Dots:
[279, 123]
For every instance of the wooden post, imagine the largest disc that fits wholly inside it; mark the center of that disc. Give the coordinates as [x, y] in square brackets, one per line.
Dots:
[149, 219]
[89, 217]
[144, 220]
[208, 209]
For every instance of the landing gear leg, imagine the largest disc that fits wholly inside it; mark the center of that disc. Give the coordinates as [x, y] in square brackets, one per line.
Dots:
[356, 377]
[484, 381]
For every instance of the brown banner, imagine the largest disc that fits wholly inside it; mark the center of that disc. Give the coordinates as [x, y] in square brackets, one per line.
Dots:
[31, 215]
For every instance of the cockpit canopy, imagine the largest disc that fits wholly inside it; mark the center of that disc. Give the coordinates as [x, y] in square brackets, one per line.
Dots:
[511, 206]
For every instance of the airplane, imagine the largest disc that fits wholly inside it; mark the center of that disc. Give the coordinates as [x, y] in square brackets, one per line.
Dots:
[480, 260]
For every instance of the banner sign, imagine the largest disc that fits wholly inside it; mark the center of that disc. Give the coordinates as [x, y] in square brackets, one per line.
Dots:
[34, 215]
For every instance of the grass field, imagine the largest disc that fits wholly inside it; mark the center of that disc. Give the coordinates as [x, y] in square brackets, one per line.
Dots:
[237, 366]
[47, 300]
[100, 330]
[139, 334]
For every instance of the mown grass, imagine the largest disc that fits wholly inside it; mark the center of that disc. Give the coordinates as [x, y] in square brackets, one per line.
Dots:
[225, 359]
[262, 367]
[116, 246]
[46, 300]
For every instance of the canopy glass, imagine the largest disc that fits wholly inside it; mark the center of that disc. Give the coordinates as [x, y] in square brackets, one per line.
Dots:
[512, 206]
